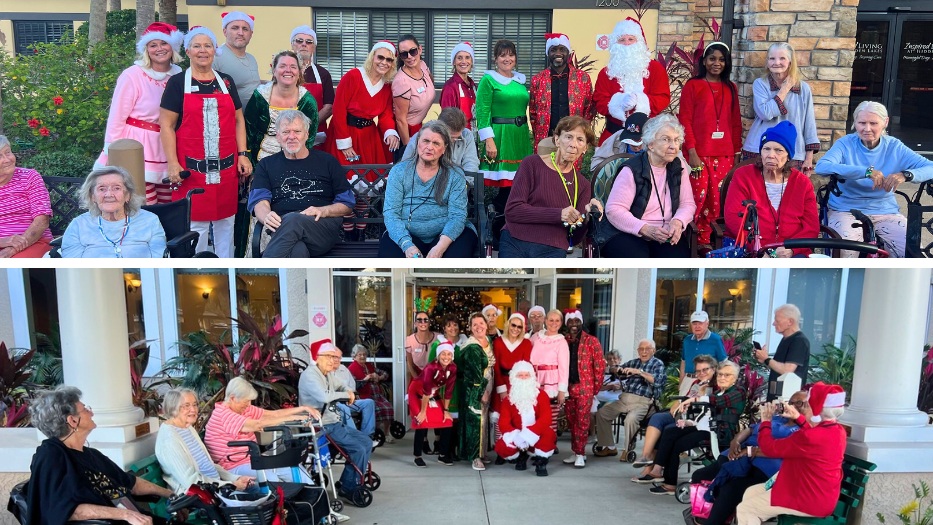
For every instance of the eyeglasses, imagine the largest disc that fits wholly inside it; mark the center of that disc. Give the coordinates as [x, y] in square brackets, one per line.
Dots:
[301, 41]
[413, 52]
[798, 404]
[515, 325]
[421, 320]
[188, 406]
[703, 370]
[383, 58]
[726, 374]
[667, 141]
[337, 357]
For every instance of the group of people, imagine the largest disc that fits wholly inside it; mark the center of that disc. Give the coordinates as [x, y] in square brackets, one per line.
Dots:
[276, 152]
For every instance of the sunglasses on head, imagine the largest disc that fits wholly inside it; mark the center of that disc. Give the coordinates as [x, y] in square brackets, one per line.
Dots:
[413, 52]
[383, 58]
[301, 41]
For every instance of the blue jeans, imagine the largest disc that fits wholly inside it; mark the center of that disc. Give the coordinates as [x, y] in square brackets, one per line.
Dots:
[661, 420]
[357, 447]
[512, 248]
[364, 407]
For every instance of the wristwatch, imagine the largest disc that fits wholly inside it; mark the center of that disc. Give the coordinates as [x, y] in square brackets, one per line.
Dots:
[243, 153]
[767, 361]
[908, 176]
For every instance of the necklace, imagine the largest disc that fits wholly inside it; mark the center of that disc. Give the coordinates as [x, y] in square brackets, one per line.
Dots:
[573, 200]
[118, 244]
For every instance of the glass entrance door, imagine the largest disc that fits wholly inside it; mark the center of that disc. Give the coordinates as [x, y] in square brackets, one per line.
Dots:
[893, 60]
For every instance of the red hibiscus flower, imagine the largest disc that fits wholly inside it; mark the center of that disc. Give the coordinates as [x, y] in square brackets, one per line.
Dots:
[44, 131]
[33, 123]
[58, 101]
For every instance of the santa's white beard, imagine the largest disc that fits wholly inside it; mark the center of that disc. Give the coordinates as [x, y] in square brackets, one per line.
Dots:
[629, 64]
[524, 394]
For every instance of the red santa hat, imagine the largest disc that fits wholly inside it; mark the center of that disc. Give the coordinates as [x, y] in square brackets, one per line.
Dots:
[572, 313]
[520, 317]
[201, 30]
[556, 39]
[385, 44]
[445, 347]
[160, 31]
[462, 46]
[537, 308]
[629, 26]
[823, 396]
[324, 346]
[522, 366]
[233, 16]
[491, 307]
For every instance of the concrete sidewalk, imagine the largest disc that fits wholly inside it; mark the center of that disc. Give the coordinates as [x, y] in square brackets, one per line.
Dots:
[599, 493]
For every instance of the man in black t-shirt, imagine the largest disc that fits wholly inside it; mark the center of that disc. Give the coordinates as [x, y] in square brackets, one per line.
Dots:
[793, 352]
[299, 194]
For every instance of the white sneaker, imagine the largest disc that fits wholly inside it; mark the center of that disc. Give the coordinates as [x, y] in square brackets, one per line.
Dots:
[580, 461]
[340, 517]
[571, 459]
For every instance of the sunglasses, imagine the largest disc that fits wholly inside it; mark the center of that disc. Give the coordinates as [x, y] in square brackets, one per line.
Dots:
[413, 52]
[702, 370]
[515, 325]
[383, 58]
[301, 41]
[421, 320]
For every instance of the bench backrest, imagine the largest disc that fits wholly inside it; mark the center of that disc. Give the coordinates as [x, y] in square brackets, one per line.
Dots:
[64, 200]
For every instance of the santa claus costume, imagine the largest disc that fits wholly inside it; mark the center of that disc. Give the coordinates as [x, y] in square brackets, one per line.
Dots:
[429, 397]
[526, 422]
[507, 353]
[632, 82]
[134, 112]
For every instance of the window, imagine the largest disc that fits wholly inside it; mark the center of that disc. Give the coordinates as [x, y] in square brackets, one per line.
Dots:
[675, 300]
[728, 297]
[593, 297]
[203, 299]
[37, 32]
[135, 320]
[816, 293]
[345, 37]
[363, 313]
[257, 294]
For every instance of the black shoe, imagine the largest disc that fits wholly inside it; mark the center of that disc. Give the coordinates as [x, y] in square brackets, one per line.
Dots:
[420, 463]
[445, 460]
[499, 460]
[541, 467]
[522, 462]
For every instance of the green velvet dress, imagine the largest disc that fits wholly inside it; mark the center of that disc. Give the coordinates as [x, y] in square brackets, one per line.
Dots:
[472, 363]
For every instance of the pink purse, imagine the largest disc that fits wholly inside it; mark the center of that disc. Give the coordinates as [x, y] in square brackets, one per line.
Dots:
[699, 507]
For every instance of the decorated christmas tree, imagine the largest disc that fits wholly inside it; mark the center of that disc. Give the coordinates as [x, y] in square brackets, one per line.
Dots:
[460, 302]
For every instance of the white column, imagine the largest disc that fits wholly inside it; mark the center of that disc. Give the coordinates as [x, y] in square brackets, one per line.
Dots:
[887, 372]
[95, 348]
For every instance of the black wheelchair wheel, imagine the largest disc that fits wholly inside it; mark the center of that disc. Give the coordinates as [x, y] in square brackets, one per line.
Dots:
[397, 429]
[336, 505]
[593, 448]
[631, 456]
[373, 481]
[683, 492]
[362, 497]
[379, 437]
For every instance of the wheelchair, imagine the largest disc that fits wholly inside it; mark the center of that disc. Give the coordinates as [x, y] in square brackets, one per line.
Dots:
[618, 432]
[708, 450]
[17, 506]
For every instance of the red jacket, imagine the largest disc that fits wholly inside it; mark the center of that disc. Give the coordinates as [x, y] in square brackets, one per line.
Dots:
[698, 111]
[506, 359]
[579, 91]
[657, 87]
[590, 364]
[510, 419]
[811, 473]
[799, 217]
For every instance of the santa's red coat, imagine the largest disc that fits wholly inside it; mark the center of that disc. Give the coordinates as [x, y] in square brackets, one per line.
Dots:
[510, 419]
[657, 87]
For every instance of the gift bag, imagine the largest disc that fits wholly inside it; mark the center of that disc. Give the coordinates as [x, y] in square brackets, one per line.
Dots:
[699, 507]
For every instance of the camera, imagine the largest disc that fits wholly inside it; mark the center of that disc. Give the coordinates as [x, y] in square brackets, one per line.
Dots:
[779, 408]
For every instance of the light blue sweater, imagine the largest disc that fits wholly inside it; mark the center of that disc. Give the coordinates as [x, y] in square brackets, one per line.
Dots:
[799, 108]
[849, 159]
[410, 208]
[144, 237]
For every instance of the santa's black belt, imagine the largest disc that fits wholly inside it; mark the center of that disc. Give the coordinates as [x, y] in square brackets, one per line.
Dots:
[209, 165]
[518, 121]
[358, 122]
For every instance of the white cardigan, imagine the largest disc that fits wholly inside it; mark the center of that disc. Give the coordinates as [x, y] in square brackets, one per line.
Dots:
[179, 469]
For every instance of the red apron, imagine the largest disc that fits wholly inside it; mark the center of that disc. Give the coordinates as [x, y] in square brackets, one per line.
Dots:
[209, 152]
[317, 91]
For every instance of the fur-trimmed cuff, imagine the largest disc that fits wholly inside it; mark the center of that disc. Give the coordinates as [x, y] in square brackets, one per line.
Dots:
[617, 106]
[642, 104]
[494, 417]
[344, 143]
[509, 437]
[486, 133]
[530, 437]
[390, 133]
[501, 389]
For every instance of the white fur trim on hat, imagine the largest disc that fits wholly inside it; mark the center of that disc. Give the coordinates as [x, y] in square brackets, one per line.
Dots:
[384, 45]
[160, 31]
[629, 27]
[522, 366]
[233, 16]
[518, 316]
[835, 400]
[201, 30]
[462, 46]
[491, 307]
[559, 39]
[573, 314]
[537, 308]
[303, 30]
[445, 347]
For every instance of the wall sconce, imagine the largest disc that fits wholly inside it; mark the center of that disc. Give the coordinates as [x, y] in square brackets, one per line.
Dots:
[206, 293]
[735, 293]
[133, 285]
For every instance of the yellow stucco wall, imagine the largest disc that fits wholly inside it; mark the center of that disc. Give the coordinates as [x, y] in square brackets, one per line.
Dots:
[582, 25]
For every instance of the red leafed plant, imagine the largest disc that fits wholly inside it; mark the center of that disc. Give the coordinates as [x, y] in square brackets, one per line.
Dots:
[682, 65]
[14, 375]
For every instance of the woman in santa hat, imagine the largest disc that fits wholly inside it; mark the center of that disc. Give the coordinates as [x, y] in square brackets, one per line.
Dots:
[134, 111]
[460, 89]
[429, 399]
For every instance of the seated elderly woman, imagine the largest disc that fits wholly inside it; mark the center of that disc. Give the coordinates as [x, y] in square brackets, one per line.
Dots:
[726, 403]
[550, 199]
[783, 195]
[180, 451]
[71, 481]
[426, 202]
[704, 367]
[114, 226]
[872, 164]
[369, 380]
[811, 470]
[25, 208]
[611, 388]
[651, 200]
[742, 465]
[237, 419]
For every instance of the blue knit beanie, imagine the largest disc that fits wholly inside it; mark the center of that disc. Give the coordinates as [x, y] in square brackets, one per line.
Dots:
[784, 133]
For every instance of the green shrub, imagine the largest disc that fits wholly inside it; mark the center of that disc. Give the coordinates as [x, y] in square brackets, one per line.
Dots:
[71, 162]
[119, 24]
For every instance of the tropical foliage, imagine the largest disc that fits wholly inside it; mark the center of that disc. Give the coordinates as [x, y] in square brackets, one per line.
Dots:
[913, 512]
[835, 365]
[13, 386]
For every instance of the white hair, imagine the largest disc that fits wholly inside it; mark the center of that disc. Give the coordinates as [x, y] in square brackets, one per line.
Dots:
[790, 311]
[649, 341]
[240, 389]
[732, 365]
[655, 125]
[357, 348]
[872, 107]
[831, 413]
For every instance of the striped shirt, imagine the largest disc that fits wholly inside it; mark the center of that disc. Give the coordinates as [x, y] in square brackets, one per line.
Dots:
[224, 426]
[205, 466]
[22, 199]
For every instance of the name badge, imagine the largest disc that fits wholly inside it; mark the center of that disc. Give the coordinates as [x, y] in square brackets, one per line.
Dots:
[194, 88]
[420, 90]
[718, 134]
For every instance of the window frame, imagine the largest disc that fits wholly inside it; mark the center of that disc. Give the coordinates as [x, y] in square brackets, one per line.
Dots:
[20, 47]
